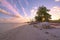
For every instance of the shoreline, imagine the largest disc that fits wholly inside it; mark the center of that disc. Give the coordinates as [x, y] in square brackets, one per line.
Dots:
[29, 32]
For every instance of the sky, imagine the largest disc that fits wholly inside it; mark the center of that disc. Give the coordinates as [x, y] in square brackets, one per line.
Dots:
[25, 10]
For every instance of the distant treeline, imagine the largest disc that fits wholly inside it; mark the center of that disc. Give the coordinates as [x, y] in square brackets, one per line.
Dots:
[55, 21]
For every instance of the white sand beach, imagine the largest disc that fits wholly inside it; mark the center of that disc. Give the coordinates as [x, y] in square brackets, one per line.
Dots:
[9, 26]
[29, 32]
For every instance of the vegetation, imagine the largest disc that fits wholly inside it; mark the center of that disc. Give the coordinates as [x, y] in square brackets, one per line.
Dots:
[42, 14]
[55, 21]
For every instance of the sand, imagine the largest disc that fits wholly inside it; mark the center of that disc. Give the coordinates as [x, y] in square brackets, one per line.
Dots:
[9, 26]
[28, 32]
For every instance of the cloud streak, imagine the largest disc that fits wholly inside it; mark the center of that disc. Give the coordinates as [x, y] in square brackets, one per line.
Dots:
[23, 9]
[10, 7]
[33, 12]
[7, 13]
[57, 0]
[27, 3]
[55, 12]
[25, 14]
[13, 19]
[16, 17]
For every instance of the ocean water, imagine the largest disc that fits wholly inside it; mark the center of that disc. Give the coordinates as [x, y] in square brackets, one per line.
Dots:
[8, 26]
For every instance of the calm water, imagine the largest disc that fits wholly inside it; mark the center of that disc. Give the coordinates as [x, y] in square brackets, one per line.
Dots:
[8, 26]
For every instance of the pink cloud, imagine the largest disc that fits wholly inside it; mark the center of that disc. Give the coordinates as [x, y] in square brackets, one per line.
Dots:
[57, 0]
[17, 18]
[55, 12]
[13, 20]
[7, 13]
[10, 7]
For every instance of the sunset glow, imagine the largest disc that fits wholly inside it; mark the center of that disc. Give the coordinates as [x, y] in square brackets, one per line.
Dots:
[24, 10]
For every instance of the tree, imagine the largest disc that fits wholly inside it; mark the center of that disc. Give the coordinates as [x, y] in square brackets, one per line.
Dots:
[42, 14]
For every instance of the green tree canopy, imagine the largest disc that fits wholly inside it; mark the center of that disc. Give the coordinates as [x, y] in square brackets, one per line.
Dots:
[42, 14]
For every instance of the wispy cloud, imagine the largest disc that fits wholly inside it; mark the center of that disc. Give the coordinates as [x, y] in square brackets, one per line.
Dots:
[57, 0]
[17, 18]
[27, 3]
[55, 12]
[7, 13]
[12, 20]
[33, 12]
[10, 7]
[23, 9]
[4, 12]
